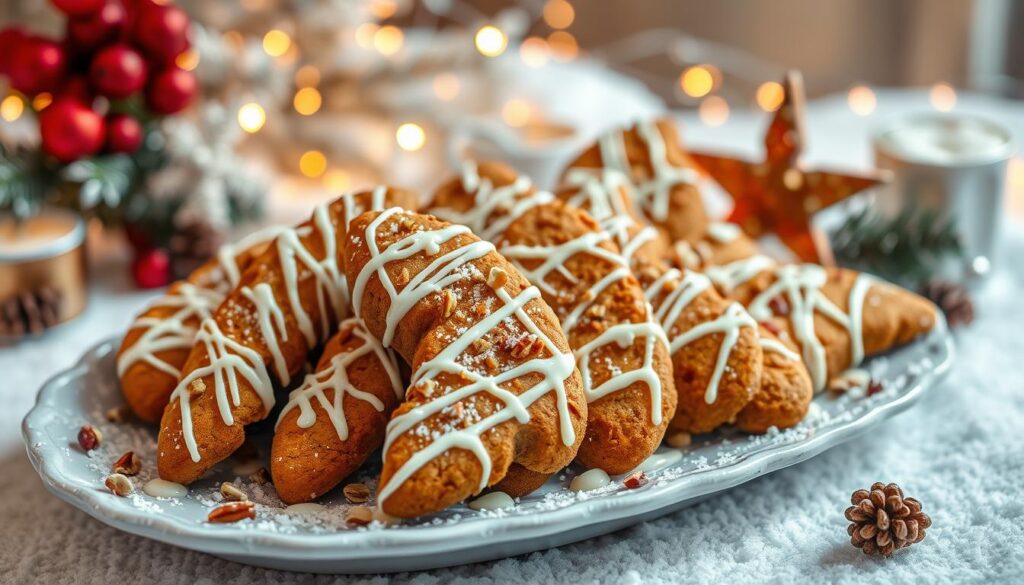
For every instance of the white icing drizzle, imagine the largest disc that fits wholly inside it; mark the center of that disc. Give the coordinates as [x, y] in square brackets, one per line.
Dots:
[801, 285]
[443, 272]
[193, 303]
[335, 377]
[623, 334]
[729, 276]
[488, 200]
[723, 232]
[492, 501]
[652, 192]
[686, 287]
[161, 488]
[228, 359]
[774, 345]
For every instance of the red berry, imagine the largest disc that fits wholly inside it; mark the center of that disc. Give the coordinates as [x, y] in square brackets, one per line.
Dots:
[124, 133]
[161, 31]
[37, 65]
[10, 38]
[71, 130]
[77, 7]
[118, 71]
[90, 32]
[77, 88]
[152, 269]
[171, 90]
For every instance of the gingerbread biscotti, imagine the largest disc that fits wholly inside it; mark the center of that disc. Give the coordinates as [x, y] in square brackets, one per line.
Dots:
[286, 303]
[336, 418]
[158, 342]
[494, 382]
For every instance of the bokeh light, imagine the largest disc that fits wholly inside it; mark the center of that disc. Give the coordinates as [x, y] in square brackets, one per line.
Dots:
[307, 101]
[563, 45]
[11, 108]
[338, 180]
[188, 60]
[307, 76]
[251, 117]
[410, 136]
[770, 96]
[862, 100]
[697, 81]
[312, 163]
[942, 97]
[713, 111]
[388, 40]
[559, 14]
[491, 41]
[446, 86]
[534, 52]
[276, 42]
[516, 112]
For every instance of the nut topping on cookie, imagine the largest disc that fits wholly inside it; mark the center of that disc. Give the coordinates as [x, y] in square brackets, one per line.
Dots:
[359, 516]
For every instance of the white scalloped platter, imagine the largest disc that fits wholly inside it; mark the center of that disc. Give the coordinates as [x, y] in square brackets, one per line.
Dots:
[317, 540]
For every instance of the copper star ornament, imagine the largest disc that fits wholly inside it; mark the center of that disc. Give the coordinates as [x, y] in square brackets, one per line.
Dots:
[778, 195]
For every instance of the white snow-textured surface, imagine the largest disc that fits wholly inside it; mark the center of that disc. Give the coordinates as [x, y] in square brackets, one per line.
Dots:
[959, 451]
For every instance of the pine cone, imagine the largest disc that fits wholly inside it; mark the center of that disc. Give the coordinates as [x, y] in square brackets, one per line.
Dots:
[954, 299]
[30, 312]
[883, 521]
[192, 245]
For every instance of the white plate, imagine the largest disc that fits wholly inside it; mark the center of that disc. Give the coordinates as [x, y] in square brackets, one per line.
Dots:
[319, 542]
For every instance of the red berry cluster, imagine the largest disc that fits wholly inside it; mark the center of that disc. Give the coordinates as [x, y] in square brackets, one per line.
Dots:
[111, 48]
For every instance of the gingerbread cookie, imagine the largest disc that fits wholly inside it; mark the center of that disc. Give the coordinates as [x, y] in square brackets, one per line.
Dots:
[337, 417]
[494, 381]
[287, 302]
[159, 340]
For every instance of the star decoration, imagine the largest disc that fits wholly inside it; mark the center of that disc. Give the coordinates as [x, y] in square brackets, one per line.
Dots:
[778, 195]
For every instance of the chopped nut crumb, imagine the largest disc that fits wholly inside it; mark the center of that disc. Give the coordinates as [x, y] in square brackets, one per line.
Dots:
[232, 493]
[89, 437]
[119, 484]
[359, 516]
[356, 493]
[128, 464]
[497, 278]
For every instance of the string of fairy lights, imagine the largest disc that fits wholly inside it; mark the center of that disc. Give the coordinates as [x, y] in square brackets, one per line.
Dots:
[536, 31]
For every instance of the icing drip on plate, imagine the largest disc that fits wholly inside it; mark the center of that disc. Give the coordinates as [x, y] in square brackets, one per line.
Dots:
[624, 335]
[335, 377]
[444, 271]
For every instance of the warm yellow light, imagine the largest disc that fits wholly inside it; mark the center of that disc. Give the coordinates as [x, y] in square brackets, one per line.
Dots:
[862, 100]
[534, 52]
[516, 112]
[11, 108]
[446, 86]
[337, 180]
[276, 42]
[943, 97]
[383, 8]
[388, 40]
[563, 45]
[41, 100]
[251, 117]
[559, 13]
[770, 95]
[410, 136]
[365, 33]
[491, 41]
[312, 163]
[307, 76]
[714, 111]
[291, 56]
[188, 60]
[307, 101]
[697, 81]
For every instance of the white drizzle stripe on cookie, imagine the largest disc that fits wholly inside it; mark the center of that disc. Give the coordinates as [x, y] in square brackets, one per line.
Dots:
[335, 377]
[271, 321]
[553, 259]
[685, 287]
[555, 368]
[801, 285]
[653, 192]
[192, 303]
[228, 360]
[730, 276]
[774, 345]
[488, 200]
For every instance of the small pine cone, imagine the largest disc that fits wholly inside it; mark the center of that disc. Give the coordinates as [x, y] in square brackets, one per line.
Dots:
[192, 245]
[954, 299]
[882, 521]
[30, 311]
